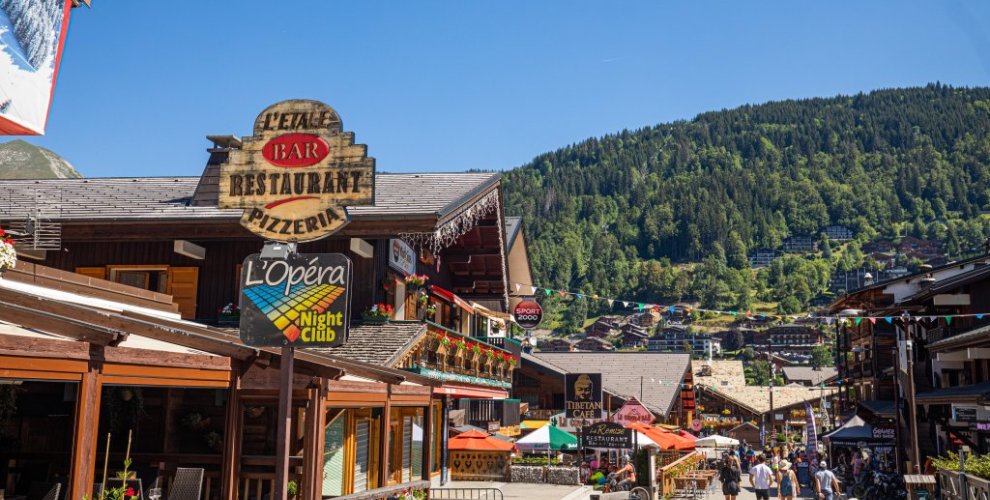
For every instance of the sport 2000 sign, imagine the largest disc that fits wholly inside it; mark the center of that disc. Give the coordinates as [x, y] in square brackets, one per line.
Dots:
[528, 314]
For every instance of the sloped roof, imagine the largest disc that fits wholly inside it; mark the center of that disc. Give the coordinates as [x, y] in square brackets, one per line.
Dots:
[807, 373]
[381, 345]
[512, 226]
[944, 285]
[728, 380]
[396, 195]
[622, 373]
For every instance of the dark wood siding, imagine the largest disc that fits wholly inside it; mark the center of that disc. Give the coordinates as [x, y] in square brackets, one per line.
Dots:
[218, 272]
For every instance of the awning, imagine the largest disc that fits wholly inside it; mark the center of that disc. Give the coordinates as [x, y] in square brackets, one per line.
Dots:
[478, 441]
[451, 297]
[467, 391]
[960, 394]
[666, 440]
[484, 311]
[533, 424]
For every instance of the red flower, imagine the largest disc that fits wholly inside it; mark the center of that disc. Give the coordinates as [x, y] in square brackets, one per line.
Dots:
[130, 492]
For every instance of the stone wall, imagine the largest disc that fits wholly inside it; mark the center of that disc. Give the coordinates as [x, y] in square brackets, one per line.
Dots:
[547, 475]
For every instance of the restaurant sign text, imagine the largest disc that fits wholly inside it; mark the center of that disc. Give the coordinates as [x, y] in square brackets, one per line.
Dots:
[607, 435]
[297, 174]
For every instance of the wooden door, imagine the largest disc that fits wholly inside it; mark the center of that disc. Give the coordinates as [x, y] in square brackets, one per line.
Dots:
[183, 283]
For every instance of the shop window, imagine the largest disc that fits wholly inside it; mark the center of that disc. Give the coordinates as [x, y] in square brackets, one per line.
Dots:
[362, 467]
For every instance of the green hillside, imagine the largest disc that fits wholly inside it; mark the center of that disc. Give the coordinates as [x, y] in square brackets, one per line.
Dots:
[610, 215]
[22, 160]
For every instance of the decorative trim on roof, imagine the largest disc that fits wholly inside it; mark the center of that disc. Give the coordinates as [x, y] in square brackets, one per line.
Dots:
[447, 233]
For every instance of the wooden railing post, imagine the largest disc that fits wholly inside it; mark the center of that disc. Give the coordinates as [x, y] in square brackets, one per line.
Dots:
[86, 428]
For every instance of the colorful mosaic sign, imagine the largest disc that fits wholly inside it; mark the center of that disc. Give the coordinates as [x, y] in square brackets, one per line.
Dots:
[301, 300]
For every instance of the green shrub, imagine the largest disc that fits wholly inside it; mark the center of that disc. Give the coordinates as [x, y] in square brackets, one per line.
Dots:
[977, 465]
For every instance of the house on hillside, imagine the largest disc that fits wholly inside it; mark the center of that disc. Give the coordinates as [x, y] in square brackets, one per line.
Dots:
[838, 233]
[594, 344]
[800, 244]
[634, 338]
[808, 376]
[556, 345]
[645, 319]
[762, 257]
[790, 337]
[602, 327]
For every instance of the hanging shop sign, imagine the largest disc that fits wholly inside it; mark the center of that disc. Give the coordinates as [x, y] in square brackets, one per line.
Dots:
[295, 177]
[583, 395]
[607, 435]
[301, 300]
[528, 314]
[401, 257]
[884, 432]
[962, 413]
[632, 412]
[30, 53]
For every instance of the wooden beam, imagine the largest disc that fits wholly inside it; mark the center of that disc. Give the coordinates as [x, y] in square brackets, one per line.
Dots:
[313, 444]
[232, 444]
[86, 429]
[19, 311]
[383, 475]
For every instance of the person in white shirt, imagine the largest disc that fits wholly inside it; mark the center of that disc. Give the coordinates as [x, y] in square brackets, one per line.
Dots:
[761, 478]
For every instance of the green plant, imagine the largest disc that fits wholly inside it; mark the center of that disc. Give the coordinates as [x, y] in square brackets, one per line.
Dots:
[535, 461]
[125, 407]
[292, 488]
[977, 465]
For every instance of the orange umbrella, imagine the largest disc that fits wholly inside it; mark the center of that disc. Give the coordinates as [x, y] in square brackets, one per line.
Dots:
[478, 441]
[665, 439]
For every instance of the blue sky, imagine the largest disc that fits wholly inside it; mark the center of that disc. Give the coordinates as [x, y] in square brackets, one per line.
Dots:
[432, 86]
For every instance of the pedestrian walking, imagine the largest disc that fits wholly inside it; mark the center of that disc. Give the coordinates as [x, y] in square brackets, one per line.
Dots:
[730, 475]
[787, 479]
[826, 484]
[761, 478]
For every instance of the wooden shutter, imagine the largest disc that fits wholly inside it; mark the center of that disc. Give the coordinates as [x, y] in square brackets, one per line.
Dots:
[182, 286]
[93, 272]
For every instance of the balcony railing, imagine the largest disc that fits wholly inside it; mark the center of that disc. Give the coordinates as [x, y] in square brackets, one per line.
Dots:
[449, 355]
[509, 344]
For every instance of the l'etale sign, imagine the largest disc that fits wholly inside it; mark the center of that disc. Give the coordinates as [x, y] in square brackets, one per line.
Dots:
[297, 173]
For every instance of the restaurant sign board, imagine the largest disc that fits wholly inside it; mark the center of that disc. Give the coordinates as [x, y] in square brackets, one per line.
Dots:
[633, 411]
[401, 257]
[297, 174]
[301, 300]
[583, 395]
[607, 435]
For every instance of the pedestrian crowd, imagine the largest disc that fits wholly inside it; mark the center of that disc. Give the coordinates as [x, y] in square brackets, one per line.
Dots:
[774, 469]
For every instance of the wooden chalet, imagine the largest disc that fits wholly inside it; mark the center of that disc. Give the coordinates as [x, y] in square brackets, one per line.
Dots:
[152, 346]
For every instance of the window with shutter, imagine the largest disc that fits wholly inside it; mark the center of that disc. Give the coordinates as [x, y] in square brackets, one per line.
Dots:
[183, 283]
[406, 449]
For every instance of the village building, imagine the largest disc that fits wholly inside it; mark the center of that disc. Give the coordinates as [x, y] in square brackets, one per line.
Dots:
[762, 257]
[677, 338]
[808, 376]
[725, 401]
[594, 344]
[163, 245]
[634, 337]
[941, 349]
[838, 233]
[789, 337]
[645, 319]
[556, 344]
[661, 382]
[603, 327]
[800, 244]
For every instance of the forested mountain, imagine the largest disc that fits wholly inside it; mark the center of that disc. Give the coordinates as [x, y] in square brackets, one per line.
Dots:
[610, 215]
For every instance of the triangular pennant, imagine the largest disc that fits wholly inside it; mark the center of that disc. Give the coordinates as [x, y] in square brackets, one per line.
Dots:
[828, 320]
[858, 320]
[931, 319]
[656, 308]
[625, 304]
[733, 313]
[562, 293]
[547, 291]
[889, 320]
[979, 316]
[672, 309]
[948, 320]
[532, 290]
[873, 320]
[610, 302]
[640, 306]
[518, 286]
[580, 296]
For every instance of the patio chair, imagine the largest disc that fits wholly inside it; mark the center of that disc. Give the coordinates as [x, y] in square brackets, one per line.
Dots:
[187, 484]
[44, 491]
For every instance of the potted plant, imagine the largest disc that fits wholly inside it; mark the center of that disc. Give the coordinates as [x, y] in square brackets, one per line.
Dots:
[8, 256]
[379, 314]
[414, 281]
[431, 311]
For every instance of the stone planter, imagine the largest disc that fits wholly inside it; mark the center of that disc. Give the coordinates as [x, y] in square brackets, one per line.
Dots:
[545, 475]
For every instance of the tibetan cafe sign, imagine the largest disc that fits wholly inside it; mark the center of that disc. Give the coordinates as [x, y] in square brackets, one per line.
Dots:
[297, 174]
[302, 300]
[607, 435]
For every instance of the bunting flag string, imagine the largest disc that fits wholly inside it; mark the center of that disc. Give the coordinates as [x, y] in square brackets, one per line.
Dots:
[826, 319]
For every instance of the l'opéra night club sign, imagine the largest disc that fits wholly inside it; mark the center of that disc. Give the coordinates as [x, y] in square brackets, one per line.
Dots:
[607, 435]
[302, 300]
[297, 174]
[583, 395]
